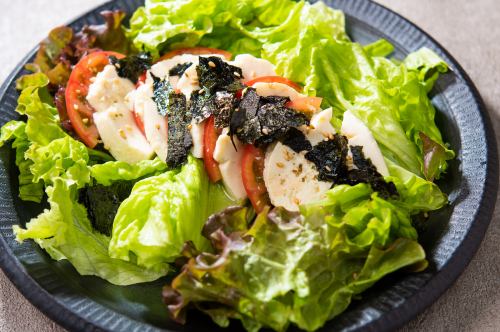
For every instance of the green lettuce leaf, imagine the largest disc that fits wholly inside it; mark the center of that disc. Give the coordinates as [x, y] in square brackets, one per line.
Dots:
[416, 194]
[52, 152]
[291, 268]
[65, 232]
[29, 189]
[63, 158]
[42, 126]
[164, 211]
[112, 171]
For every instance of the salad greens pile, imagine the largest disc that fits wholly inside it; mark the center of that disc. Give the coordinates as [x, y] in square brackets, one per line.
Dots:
[282, 267]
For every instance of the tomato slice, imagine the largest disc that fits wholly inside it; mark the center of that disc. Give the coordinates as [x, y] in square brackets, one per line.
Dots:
[305, 104]
[275, 79]
[141, 79]
[252, 172]
[210, 136]
[79, 110]
[139, 122]
[196, 51]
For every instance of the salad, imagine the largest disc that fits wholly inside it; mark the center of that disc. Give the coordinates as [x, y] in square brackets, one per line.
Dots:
[248, 149]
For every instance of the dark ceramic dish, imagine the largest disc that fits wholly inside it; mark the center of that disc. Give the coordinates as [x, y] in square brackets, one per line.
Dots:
[454, 233]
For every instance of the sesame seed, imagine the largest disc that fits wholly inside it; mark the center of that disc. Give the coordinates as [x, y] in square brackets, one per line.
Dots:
[122, 133]
[296, 201]
[190, 126]
[265, 131]
[85, 120]
[211, 64]
[75, 106]
[328, 168]
[157, 126]
[128, 127]
[237, 74]
[280, 165]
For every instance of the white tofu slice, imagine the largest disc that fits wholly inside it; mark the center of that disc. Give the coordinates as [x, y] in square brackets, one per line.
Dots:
[109, 90]
[121, 136]
[162, 68]
[197, 134]
[229, 160]
[155, 125]
[358, 134]
[252, 67]
[291, 179]
[276, 89]
[320, 127]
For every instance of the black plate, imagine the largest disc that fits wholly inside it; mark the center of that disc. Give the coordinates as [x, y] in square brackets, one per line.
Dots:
[455, 232]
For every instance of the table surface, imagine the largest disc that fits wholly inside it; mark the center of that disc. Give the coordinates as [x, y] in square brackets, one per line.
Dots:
[468, 29]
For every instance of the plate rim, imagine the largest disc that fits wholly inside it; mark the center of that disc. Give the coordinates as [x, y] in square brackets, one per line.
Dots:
[409, 309]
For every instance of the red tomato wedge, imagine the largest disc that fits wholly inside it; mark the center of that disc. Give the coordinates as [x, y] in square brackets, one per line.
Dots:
[275, 79]
[305, 104]
[252, 172]
[79, 110]
[196, 51]
[210, 136]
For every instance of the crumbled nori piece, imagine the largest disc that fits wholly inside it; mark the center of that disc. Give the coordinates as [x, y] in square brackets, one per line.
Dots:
[224, 102]
[132, 66]
[179, 138]
[275, 120]
[366, 172]
[201, 105]
[102, 203]
[214, 74]
[330, 159]
[162, 89]
[263, 120]
[250, 103]
[218, 81]
[179, 69]
[173, 105]
[296, 140]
